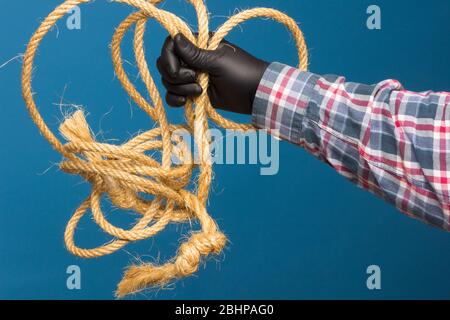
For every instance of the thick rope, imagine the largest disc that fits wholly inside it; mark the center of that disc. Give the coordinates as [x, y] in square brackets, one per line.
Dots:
[123, 172]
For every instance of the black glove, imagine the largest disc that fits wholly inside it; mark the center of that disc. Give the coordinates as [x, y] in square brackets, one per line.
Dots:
[234, 74]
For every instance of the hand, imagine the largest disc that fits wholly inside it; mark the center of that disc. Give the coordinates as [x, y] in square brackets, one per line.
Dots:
[234, 74]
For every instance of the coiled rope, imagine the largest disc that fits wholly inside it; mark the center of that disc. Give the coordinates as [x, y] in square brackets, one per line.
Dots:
[125, 172]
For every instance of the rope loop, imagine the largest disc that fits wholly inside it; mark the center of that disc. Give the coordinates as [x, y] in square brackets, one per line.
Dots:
[126, 173]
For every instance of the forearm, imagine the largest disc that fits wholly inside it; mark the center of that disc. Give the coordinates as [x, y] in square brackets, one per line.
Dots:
[384, 139]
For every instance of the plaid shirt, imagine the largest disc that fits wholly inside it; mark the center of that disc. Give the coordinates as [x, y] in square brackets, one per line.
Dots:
[389, 141]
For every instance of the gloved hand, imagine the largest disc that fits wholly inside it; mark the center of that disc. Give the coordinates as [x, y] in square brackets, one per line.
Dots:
[234, 74]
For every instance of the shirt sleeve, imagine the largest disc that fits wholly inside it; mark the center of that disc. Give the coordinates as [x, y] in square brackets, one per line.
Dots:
[387, 140]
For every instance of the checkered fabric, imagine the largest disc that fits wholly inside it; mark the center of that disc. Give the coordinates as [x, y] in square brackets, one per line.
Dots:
[389, 141]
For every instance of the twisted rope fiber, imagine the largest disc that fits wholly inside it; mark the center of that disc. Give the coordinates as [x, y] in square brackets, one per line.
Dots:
[125, 172]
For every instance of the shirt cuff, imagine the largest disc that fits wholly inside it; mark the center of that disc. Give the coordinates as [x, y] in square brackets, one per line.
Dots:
[282, 99]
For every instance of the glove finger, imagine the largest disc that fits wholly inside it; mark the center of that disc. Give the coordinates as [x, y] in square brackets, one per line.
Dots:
[168, 59]
[175, 100]
[190, 89]
[184, 75]
[193, 56]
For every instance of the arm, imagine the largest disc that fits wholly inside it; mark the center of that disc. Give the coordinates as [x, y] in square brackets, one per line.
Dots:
[387, 140]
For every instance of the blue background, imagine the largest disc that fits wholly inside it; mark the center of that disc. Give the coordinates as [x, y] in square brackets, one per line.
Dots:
[305, 233]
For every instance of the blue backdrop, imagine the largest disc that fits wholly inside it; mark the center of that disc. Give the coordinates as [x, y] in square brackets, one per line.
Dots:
[305, 233]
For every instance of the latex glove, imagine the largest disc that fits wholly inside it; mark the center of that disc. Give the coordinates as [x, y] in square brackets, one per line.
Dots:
[234, 74]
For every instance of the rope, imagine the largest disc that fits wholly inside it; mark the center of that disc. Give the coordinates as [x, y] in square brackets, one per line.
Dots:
[125, 172]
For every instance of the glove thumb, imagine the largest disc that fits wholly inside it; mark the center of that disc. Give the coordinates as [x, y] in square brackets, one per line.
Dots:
[193, 56]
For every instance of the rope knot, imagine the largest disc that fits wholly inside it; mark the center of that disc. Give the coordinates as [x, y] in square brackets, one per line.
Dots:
[121, 196]
[80, 141]
[200, 244]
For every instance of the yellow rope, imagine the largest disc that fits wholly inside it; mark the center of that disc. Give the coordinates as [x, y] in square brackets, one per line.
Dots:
[123, 172]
